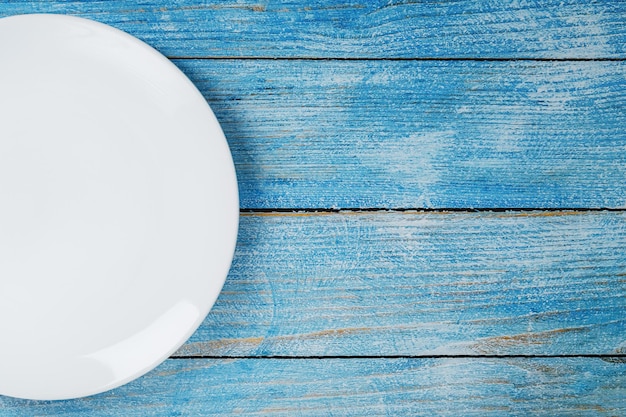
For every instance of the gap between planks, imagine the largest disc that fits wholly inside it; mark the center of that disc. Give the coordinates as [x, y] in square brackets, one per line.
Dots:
[339, 58]
[522, 211]
[621, 358]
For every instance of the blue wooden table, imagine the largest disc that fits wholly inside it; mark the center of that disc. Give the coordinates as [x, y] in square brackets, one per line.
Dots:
[433, 208]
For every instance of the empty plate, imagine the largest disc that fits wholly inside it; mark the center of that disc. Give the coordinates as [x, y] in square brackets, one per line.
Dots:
[118, 207]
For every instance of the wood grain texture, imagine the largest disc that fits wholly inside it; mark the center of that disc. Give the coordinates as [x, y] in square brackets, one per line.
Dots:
[324, 132]
[422, 284]
[357, 29]
[357, 387]
[421, 134]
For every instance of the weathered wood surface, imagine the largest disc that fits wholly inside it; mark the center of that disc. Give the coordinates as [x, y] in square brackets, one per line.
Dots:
[320, 132]
[422, 284]
[358, 387]
[356, 29]
[421, 134]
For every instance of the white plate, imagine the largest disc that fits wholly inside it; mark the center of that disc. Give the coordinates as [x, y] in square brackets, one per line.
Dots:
[118, 207]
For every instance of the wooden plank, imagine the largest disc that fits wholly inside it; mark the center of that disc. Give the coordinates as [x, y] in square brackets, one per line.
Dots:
[349, 29]
[547, 283]
[357, 387]
[421, 134]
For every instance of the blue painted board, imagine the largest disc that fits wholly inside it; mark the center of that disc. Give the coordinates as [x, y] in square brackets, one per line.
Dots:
[356, 29]
[337, 134]
[546, 283]
[309, 133]
[357, 387]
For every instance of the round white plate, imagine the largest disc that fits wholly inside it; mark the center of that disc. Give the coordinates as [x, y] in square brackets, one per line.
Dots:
[118, 207]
